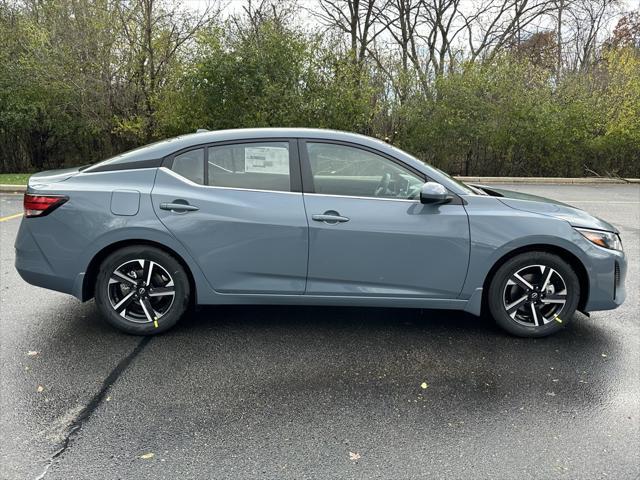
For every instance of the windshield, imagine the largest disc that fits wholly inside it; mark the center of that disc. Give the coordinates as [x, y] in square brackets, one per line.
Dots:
[468, 188]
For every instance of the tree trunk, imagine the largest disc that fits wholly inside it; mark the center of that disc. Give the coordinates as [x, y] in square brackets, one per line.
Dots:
[559, 40]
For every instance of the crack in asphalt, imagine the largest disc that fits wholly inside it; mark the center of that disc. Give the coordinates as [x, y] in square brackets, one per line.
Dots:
[76, 423]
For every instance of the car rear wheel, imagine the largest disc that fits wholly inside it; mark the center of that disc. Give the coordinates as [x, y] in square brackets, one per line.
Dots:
[142, 290]
[534, 294]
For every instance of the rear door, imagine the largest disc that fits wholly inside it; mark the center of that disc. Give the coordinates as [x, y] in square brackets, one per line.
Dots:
[237, 207]
[370, 235]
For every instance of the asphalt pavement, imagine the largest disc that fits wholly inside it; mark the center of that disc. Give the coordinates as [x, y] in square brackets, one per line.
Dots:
[305, 392]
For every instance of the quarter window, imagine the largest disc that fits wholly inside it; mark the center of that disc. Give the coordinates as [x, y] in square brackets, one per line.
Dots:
[350, 171]
[258, 166]
[190, 165]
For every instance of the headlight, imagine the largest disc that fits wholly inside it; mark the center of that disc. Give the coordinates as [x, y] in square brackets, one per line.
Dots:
[601, 238]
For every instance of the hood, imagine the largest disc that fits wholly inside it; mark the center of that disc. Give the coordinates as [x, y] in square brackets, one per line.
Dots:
[547, 206]
[52, 176]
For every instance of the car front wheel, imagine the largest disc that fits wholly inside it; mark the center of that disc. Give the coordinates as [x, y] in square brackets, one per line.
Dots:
[142, 290]
[534, 294]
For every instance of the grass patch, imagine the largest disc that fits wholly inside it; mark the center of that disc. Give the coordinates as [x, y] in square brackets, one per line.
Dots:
[14, 178]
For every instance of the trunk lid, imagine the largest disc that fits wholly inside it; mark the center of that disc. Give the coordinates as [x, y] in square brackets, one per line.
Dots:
[52, 176]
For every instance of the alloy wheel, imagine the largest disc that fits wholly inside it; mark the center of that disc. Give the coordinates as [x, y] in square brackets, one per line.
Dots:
[141, 291]
[534, 295]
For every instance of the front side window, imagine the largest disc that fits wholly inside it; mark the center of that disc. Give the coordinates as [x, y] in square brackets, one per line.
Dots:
[350, 171]
[256, 166]
[190, 165]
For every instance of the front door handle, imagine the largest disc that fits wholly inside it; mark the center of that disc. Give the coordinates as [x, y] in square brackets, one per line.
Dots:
[178, 207]
[330, 216]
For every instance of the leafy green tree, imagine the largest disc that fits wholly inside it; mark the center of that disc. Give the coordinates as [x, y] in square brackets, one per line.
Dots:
[266, 75]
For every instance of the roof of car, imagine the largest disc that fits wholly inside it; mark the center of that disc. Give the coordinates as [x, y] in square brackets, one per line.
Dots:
[148, 156]
[191, 139]
[162, 148]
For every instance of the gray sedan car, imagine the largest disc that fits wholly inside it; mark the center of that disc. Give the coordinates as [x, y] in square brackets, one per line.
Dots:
[303, 216]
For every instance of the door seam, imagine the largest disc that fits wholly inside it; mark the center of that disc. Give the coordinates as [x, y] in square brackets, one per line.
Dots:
[306, 216]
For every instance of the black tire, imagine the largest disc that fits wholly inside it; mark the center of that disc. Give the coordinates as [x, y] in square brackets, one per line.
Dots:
[133, 297]
[542, 313]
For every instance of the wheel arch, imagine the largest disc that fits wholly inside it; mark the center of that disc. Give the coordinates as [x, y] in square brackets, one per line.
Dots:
[566, 255]
[93, 268]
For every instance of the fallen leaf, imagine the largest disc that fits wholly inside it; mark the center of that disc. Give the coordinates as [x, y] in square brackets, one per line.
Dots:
[108, 399]
[604, 355]
[551, 394]
[354, 456]
[40, 388]
[32, 353]
[423, 385]
[147, 456]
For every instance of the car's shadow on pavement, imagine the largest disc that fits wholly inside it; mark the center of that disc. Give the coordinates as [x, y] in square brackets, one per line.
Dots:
[463, 358]
[441, 347]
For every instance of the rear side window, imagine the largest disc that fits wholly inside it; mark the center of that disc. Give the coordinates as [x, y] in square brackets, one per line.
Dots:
[190, 165]
[255, 166]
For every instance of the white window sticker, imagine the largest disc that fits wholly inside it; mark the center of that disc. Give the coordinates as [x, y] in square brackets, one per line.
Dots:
[266, 160]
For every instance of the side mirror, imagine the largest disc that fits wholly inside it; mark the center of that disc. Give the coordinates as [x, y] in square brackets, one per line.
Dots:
[433, 193]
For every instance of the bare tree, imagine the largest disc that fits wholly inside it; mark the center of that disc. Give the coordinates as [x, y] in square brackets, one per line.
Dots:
[560, 5]
[425, 32]
[497, 23]
[443, 21]
[401, 19]
[362, 20]
[154, 31]
[587, 20]
[256, 13]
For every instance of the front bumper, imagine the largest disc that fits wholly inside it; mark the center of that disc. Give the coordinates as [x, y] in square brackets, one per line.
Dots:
[607, 271]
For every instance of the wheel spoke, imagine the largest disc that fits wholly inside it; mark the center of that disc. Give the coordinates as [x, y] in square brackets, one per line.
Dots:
[149, 272]
[162, 291]
[124, 303]
[518, 280]
[555, 298]
[118, 277]
[513, 307]
[148, 309]
[541, 318]
[548, 278]
[535, 315]
[145, 269]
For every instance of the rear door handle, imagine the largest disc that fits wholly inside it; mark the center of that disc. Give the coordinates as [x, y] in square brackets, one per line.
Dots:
[178, 207]
[330, 217]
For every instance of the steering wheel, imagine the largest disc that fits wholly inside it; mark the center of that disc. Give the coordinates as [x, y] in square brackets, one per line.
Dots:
[383, 185]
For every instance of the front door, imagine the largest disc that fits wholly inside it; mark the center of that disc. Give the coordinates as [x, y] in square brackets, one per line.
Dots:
[368, 233]
[235, 208]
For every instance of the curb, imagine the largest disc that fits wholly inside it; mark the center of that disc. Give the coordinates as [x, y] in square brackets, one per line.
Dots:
[512, 180]
[12, 188]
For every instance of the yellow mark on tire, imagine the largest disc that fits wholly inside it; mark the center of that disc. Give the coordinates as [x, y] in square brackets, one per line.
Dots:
[10, 217]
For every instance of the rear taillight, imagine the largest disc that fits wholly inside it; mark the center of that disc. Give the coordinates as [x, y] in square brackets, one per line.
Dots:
[41, 205]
